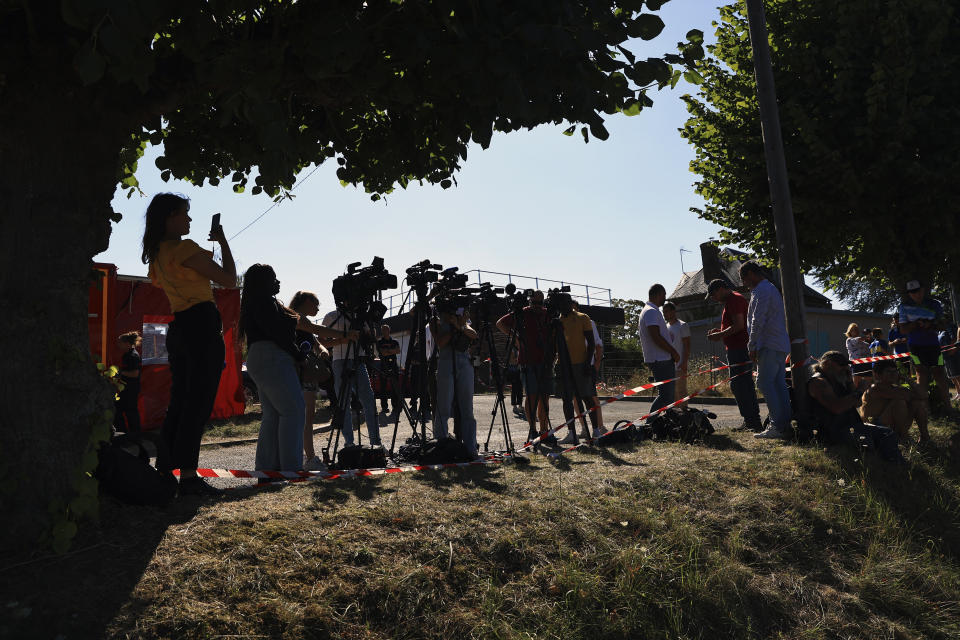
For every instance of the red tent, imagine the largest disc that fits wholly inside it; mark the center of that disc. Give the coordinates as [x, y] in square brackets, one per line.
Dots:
[119, 304]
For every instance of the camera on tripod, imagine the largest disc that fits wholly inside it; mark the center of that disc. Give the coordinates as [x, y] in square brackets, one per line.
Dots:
[558, 301]
[517, 299]
[423, 273]
[357, 294]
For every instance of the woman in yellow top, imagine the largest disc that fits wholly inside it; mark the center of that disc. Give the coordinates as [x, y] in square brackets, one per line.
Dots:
[195, 348]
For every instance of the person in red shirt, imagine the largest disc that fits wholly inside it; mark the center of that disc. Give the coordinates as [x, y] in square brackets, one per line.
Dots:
[536, 358]
[733, 333]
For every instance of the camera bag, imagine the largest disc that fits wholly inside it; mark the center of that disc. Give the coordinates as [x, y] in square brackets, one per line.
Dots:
[445, 451]
[361, 457]
[678, 425]
[620, 434]
[130, 478]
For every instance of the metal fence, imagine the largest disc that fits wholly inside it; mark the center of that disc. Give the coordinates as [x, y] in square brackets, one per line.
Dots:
[586, 294]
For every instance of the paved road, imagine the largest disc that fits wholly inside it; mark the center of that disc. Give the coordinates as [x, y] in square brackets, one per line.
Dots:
[240, 456]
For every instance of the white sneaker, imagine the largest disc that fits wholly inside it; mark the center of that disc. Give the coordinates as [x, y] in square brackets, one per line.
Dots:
[771, 433]
[570, 439]
[315, 464]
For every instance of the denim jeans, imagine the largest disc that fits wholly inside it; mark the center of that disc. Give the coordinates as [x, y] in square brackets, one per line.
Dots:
[772, 380]
[280, 443]
[359, 382]
[742, 386]
[452, 363]
[195, 351]
[663, 370]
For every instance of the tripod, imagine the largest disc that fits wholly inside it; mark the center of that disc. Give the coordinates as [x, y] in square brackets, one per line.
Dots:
[415, 365]
[499, 406]
[349, 382]
[567, 378]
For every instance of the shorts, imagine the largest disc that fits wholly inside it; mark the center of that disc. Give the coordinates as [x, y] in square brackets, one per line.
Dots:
[583, 383]
[926, 355]
[862, 368]
[537, 380]
[952, 361]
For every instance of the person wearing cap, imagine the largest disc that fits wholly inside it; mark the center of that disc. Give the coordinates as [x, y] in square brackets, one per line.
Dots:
[733, 333]
[768, 346]
[921, 319]
[834, 401]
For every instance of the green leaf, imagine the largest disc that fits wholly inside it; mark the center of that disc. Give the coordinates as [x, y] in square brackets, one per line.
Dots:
[569, 131]
[692, 77]
[695, 35]
[631, 108]
[646, 26]
[89, 64]
[446, 184]
[63, 533]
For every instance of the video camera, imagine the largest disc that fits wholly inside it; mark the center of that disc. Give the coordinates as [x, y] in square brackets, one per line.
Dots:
[357, 292]
[422, 274]
[449, 280]
[517, 299]
[558, 301]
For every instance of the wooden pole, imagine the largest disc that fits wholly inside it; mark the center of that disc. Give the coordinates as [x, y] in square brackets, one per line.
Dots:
[791, 278]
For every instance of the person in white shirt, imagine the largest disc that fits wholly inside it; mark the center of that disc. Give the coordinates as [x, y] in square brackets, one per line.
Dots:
[658, 353]
[680, 339]
[357, 380]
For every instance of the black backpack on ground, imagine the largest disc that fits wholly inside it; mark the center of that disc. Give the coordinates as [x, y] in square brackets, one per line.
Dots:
[620, 434]
[446, 451]
[678, 425]
[361, 457]
[130, 478]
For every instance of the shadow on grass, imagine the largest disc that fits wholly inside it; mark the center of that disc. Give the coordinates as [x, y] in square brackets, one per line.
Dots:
[478, 477]
[933, 518]
[77, 595]
[722, 442]
[342, 489]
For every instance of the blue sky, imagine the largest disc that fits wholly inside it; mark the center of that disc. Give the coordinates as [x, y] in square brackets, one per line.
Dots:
[612, 214]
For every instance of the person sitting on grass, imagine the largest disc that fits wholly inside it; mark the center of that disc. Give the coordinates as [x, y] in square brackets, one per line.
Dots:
[834, 402]
[890, 403]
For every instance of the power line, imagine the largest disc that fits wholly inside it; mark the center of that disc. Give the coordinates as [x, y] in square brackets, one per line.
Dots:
[275, 204]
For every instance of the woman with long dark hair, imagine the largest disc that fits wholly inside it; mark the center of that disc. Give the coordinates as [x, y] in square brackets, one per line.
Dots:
[195, 348]
[272, 357]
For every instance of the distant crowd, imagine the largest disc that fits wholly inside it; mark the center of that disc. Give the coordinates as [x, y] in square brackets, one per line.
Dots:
[869, 404]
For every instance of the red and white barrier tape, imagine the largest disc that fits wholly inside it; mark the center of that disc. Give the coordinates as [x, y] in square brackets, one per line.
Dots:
[337, 475]
[629, 392]
[557, 454]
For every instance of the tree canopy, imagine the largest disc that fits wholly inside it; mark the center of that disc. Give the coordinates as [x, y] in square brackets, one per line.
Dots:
[868, 109]
[392, 90]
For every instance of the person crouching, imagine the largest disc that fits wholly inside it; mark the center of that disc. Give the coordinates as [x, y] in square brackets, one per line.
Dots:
[835, 402]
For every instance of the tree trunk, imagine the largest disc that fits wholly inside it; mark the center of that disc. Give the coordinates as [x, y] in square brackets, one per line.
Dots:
[58, 155]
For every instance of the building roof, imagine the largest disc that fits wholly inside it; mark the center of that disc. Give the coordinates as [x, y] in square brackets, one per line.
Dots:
[692, 284]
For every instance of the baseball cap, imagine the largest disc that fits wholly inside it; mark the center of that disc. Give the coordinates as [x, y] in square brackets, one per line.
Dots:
[717, 283]
[913, 285]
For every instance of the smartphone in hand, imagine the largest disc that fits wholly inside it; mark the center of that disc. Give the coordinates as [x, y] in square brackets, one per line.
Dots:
[214, 222]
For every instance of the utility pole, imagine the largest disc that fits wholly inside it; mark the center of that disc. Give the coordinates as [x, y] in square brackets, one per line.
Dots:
[791, 279]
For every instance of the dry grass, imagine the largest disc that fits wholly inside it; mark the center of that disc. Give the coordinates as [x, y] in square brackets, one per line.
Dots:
[738, 539]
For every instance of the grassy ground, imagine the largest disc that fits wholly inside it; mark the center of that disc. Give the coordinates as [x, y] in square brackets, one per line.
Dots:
[248, 424]
[733, 539]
